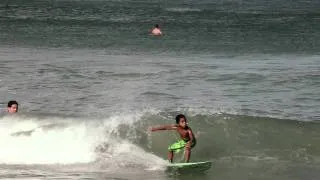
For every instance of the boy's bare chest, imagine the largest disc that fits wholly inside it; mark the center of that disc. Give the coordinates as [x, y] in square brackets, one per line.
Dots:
[183, 132]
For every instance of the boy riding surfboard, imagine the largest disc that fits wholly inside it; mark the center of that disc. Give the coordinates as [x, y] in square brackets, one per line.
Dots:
[187, 140]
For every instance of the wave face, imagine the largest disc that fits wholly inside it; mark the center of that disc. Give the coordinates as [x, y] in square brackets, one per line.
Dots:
[225, 136]
[125, 141]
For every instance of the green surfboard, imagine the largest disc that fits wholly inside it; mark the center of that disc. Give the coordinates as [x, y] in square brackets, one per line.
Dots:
[194, 166]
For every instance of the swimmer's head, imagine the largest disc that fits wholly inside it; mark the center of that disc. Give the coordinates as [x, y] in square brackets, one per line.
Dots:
[12, 107]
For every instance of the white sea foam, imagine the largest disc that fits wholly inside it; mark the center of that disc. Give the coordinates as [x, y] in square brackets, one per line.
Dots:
[68, 141]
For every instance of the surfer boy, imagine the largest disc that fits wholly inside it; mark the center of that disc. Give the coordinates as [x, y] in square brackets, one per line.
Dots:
[187, 141]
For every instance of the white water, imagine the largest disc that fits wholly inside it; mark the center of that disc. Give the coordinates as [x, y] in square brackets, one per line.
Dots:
[52, 140]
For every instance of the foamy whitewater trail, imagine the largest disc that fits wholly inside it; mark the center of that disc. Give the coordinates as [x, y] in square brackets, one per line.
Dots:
[58, 140]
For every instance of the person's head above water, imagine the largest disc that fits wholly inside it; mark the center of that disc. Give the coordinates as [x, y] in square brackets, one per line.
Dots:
[12, 106]
[156, 30]
[181, 120]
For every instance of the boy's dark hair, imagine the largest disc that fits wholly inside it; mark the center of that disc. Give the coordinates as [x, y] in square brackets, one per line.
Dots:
[157, 25]
[10, 103]
[178, 117]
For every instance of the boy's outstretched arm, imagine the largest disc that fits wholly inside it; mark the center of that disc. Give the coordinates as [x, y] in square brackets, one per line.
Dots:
[165, 127]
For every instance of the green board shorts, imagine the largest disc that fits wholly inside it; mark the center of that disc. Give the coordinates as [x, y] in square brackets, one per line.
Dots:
[180, 144]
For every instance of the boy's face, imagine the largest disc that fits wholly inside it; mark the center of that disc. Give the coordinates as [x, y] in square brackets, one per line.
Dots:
[182, 123]
[13, 108]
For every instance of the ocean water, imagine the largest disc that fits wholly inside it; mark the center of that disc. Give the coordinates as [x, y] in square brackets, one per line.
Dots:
[90, 81]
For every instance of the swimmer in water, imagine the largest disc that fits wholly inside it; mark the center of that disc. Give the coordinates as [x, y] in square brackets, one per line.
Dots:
[156, 31]
[12, 107]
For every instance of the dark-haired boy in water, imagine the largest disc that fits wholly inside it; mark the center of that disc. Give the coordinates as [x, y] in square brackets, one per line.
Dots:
[12, 107]
[187, 141]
